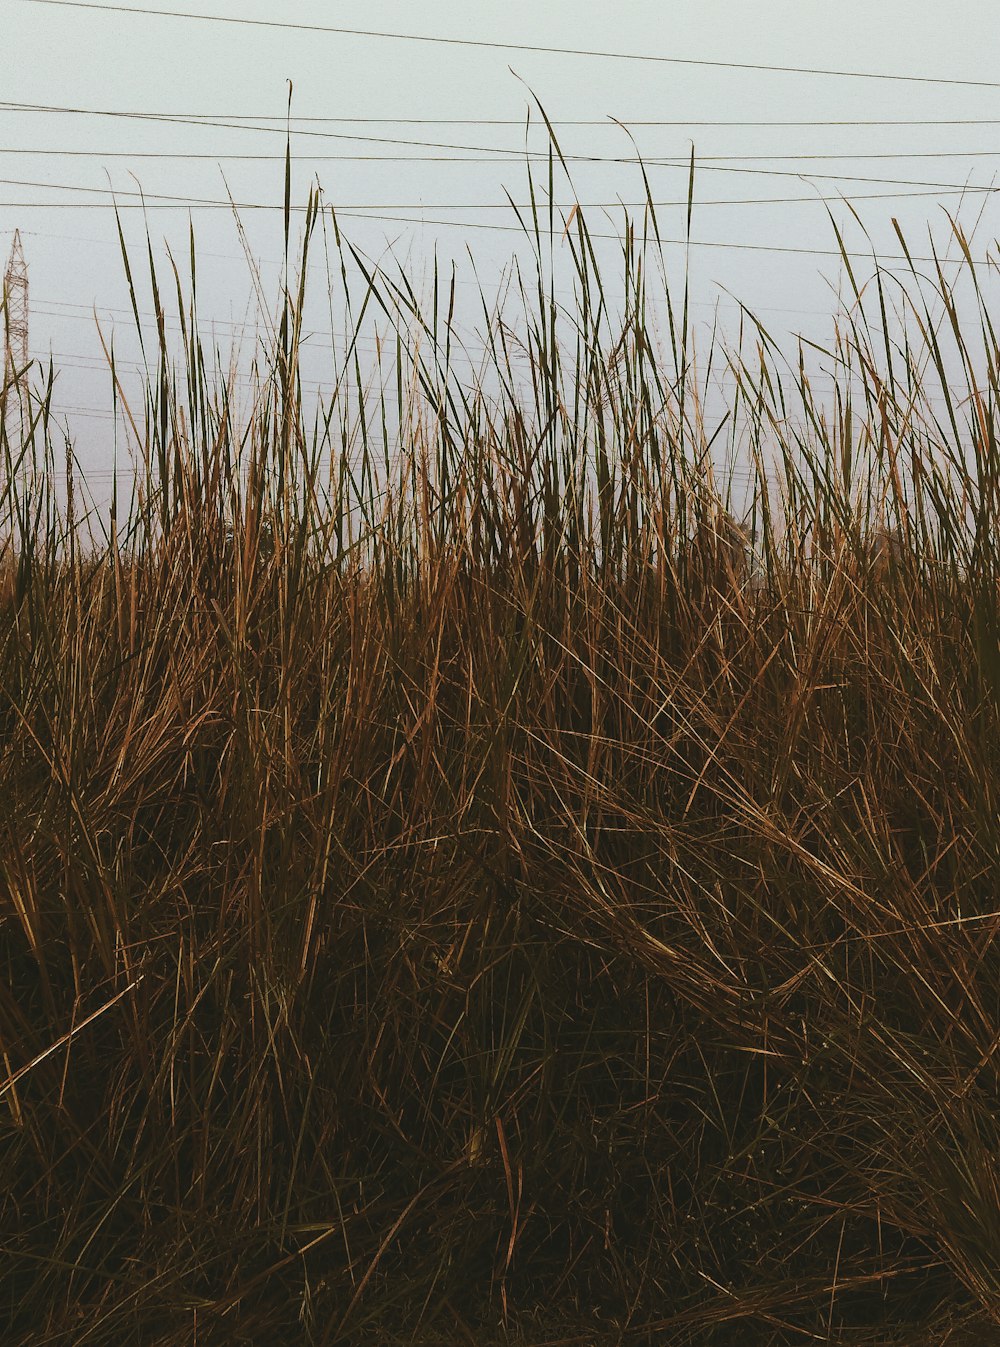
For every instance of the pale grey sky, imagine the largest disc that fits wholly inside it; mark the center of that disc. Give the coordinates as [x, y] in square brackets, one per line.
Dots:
[86, 59]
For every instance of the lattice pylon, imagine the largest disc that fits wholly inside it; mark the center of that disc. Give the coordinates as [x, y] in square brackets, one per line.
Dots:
[15, 320]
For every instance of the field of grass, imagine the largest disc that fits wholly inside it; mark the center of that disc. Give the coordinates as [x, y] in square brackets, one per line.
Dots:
[506, 891]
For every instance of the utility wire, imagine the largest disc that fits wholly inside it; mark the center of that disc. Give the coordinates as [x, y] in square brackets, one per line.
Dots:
[503, 205]
[500, 151]
[646, 57]
[562, 293]
[276, 157]
[363, 206]
[609, 123]
[494, 155]
[674, 163]
[495, 228]
[164, 200]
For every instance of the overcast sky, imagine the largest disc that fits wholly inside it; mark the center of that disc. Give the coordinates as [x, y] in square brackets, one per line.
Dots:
[94, 61]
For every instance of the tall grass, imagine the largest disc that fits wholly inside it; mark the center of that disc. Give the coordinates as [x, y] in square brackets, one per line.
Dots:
[468, 872]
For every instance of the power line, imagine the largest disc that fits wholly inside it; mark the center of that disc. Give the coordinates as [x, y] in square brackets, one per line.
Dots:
[516, 229]
[501, 151]
[243, 125]
[493, 154]
[668, 163]
[518, 46]
[313, 343]
[308, 157]
[609, 123]
[357, 207]
[506, 229]
[164, 119]
[563, 293]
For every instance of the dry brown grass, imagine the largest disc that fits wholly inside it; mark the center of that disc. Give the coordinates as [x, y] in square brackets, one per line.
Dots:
[522, 919]
[8, 581]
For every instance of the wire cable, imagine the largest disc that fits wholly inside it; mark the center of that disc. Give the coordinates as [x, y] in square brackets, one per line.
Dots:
[279, 157]
[357, 207]
[724, 245]
[518, 155]
[673, 163]
[609, 123]
[647, 57]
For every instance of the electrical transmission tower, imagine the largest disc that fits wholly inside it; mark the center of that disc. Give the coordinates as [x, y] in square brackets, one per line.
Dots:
[15, 318]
